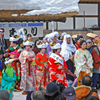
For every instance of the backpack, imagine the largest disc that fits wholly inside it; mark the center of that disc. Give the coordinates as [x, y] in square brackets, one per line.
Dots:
[89, 95]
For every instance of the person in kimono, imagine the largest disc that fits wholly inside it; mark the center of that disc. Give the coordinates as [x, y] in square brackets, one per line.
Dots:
[67, 51]
[8, 77]
[96, 61]
[14, 47]
[53, 36]
[57, 64]
[28, 71]
[83, 62]
[41, 60]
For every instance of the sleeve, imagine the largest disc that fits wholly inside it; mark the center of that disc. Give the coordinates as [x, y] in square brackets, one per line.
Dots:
[95, 56]
[78, 61]
[5, 77]
[37, 61]
[22, 59]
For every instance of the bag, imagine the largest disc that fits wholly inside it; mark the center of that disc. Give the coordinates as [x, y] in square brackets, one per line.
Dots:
[87, 96]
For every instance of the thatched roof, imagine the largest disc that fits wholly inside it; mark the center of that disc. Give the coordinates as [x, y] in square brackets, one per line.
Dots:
[6, 16]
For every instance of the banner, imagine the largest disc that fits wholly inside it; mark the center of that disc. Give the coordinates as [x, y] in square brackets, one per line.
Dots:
[35, 29]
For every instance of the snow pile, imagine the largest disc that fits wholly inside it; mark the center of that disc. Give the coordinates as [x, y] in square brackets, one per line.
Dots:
[40, 6]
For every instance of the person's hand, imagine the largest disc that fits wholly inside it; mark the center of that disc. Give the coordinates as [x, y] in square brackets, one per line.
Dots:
[75, 76]
[29, 59]
[16, 58]
[46, 65]
[73, 56]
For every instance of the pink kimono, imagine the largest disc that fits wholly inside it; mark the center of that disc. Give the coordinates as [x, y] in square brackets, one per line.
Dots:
[28, 71]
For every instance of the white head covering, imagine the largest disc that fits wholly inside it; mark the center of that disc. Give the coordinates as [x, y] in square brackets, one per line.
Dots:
[56, 46]
[7, 60]
[28, 43]
[14, 39]
[43, 45]
[67, 49]
[53, 34]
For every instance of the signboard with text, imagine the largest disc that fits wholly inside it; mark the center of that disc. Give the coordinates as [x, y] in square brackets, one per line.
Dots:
[35, 29]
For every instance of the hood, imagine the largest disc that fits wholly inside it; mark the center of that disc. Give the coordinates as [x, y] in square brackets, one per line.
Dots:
[82, 91]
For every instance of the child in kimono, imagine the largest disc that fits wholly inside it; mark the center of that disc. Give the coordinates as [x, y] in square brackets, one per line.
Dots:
[8, 77]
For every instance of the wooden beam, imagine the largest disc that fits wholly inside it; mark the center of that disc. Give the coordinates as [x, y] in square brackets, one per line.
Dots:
[86, 16]
[99, 14]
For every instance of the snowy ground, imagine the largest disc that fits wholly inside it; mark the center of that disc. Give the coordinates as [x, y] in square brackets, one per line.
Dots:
[19, 96]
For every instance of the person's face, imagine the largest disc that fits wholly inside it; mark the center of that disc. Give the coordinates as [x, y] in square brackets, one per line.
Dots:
[29, 38]
[54, 39]
[11, 43]
[89, 44]
[21, 45]
[98, 45]
[68, 40]
[83, 46]
[1, 35]
[43, 50]
[28, 47]
[8, 65]
[58, 50]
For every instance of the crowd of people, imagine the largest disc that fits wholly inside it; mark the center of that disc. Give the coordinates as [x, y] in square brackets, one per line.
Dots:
[52, 68]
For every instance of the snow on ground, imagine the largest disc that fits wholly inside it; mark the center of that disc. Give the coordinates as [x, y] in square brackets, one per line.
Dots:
[19, 96]
[41, 6]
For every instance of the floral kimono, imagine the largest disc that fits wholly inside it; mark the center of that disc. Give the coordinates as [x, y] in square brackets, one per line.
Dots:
[42, 75]
[83, 63]
[28, 71]
[56, 71]
[16, 64]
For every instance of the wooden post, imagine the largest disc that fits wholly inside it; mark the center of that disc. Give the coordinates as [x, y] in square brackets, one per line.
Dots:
[74, 22]
[99, 14]
[56, 26]
[84, 19]
[46, 25]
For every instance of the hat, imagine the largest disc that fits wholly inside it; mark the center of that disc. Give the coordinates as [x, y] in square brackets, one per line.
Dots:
[92, 35]
[7, 60]
[69, 92]
[88, 41]
[41, 44]
[53, 34]
[14, 38]
[96, 40]
[55, 46]
[52, 88]
[74, 36]
[79, 36]
[64, 33]
[27, 43]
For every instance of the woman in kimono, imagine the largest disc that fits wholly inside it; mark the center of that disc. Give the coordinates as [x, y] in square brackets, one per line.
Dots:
[67, 51]
[83, 62]
[41, 61]
[57, 65]
[27, 69]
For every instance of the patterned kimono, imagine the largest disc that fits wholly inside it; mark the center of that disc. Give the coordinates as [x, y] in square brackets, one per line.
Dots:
[83, 63]
[42, 75]
[16, 64]
[28, 71]
[56, 71]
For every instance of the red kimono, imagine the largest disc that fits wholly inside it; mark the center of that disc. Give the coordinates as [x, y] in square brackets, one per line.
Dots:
[77, 46]
[41, 71]
[56, 71]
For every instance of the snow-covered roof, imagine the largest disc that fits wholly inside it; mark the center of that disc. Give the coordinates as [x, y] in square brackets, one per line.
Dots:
[38, 7]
